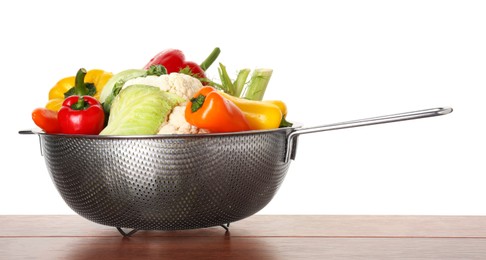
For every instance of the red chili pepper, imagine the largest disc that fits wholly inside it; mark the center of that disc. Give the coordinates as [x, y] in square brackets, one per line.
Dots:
[80, 113]
[210, 110]
[175, 61]
[46, 119]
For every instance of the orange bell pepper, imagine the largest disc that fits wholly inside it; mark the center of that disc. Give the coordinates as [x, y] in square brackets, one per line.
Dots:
[209, 110]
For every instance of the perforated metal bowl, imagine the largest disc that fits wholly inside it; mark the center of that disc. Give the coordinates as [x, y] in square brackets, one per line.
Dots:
[172, 182]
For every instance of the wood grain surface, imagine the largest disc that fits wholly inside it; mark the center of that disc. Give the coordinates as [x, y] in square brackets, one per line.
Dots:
[257, 237]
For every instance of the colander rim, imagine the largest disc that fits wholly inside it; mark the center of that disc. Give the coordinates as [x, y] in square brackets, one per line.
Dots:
[167, 136]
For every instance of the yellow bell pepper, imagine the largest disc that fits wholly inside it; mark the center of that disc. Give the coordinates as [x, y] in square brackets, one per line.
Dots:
[280, 104]
[96, 77]
[260, 115]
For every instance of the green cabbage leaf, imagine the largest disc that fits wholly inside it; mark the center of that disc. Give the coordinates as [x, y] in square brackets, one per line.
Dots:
[140, 110]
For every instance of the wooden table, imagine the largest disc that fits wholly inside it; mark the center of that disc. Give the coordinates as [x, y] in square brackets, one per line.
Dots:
[257, 237]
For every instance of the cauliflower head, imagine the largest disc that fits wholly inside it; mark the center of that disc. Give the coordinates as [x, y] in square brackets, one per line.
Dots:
[180, 84]
[177, 124]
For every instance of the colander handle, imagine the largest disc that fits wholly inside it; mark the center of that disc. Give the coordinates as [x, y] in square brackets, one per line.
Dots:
[363, 122]
[26, 132]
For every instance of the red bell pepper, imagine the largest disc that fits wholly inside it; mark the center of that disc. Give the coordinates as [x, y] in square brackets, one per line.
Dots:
[80, 113]
[175, 61]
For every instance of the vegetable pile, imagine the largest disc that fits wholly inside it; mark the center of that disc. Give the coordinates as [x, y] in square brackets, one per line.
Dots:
[169, 95]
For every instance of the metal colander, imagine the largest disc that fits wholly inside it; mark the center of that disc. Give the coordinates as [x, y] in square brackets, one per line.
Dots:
[173, 182]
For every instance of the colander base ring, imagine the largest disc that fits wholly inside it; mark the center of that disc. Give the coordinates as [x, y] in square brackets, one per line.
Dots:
[133, 231]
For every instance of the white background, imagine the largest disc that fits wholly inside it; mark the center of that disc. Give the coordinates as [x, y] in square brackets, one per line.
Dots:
[333, 61]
